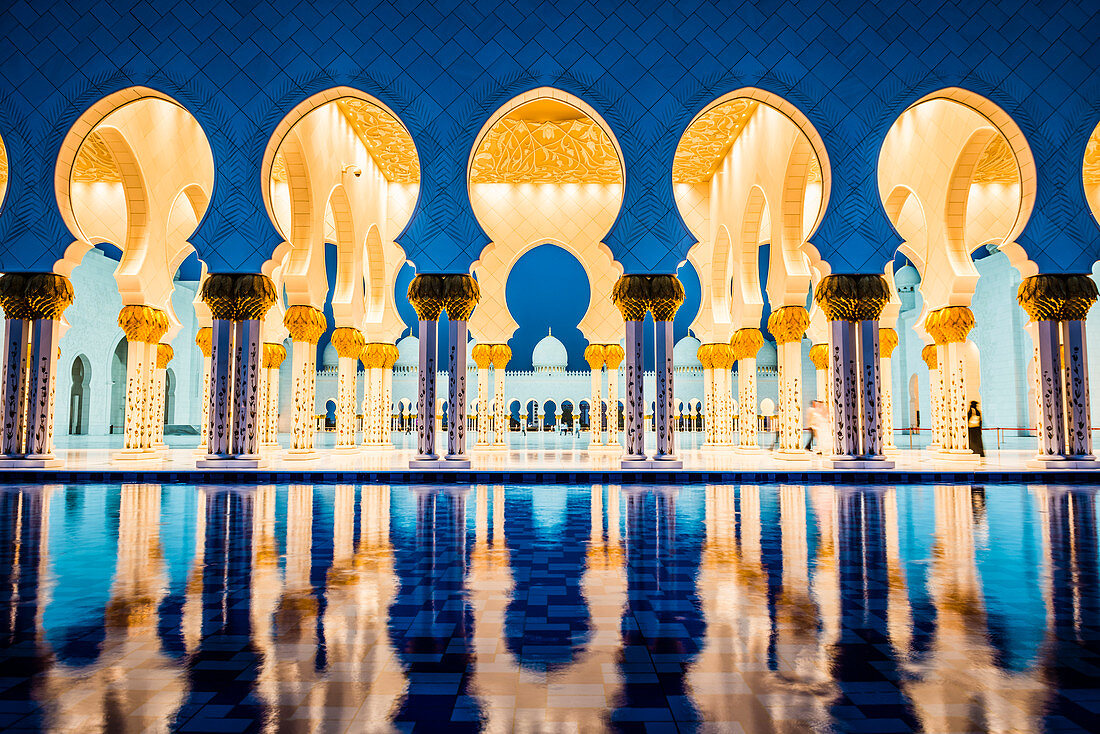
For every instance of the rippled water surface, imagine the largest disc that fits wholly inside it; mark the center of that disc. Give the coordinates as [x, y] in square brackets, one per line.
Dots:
[582, 608]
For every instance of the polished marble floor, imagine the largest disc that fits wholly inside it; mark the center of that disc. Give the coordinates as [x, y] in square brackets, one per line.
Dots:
[538, 451]
[750, 608]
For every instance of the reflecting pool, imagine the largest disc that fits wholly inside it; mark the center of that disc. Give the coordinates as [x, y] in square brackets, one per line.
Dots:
[751, 608]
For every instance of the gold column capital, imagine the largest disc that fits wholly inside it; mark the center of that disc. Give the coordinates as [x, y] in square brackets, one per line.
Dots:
[630, 295]
[705, 354]
[501, 355]
[274, 354]
[857, 297]
[238, 296]
[745, 343]
[348, 342]
[595, 356]
[928, 354]
[949, 325]
[819, 355]
[614, 355]
[13, 296]
[164, 355]
[204, 338]
[390, 353]
[305, 324]
[373, 355]
[482, 354]
[1057, 296]
[48, 295]
[460, 296]
[788, 324]
[887, 341]
[143, 323]
[666, 295]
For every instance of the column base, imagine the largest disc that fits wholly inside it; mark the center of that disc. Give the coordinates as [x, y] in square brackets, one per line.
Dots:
[859, 462]
[31, 461]
[427, 461]
[456, 461]
[667, 461]
[131, 455]
[1063, 462]
[301, 455]
[793, 455]
[346, 449]
[750, 450]
[957, 456]
[244, 461]
[374, 448]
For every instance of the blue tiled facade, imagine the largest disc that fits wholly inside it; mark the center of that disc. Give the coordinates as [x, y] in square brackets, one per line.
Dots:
[646, 68]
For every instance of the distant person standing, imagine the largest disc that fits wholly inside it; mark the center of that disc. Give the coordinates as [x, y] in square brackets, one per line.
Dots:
[974, 428]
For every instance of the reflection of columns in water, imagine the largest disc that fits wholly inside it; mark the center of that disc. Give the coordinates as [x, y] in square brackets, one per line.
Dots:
[662, 615]
[861, 546]
[434, 636]
[214, 687]
[24, 545]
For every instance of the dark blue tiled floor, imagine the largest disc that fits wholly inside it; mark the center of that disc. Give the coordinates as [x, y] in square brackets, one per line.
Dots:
[551, 608]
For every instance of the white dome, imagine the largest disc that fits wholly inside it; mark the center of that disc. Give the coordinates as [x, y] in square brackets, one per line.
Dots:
[767, 356]
[907, 277]
[686, 353]
[549, 353]
[408, 352]
[329, 358]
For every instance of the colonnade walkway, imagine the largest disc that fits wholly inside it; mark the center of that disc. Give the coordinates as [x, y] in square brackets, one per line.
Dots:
[533, 452]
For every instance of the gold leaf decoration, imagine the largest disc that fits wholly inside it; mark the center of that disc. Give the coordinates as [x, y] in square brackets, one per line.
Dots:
[997, 164]
[94, 162]
[814, 174]
[386, 139]
[278, 168]
[708, 139]
[546, 151]
[1092, 160]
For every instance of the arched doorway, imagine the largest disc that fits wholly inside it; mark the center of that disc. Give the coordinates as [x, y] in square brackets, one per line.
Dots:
[169, 397]
[79, 396]
[118, 387]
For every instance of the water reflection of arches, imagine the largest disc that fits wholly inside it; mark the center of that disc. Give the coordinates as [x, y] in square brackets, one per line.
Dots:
[79, 395]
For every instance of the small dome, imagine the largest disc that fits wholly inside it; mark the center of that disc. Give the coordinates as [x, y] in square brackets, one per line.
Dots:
[549, 353]
[408, 353]
[907, 277]
[686, 353]
[470, 363]
[767, 357]
[329, 358]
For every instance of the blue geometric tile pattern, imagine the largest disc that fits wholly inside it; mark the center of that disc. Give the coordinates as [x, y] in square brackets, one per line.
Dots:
[646, 67]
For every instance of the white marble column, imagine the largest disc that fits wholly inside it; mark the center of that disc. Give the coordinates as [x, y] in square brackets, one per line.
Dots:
[425, 403]
[247, 356]
[140, 367]
[788, 324]
[501, 355]
[663, 405]
[45, 334]
[614, 354]
[221, 363]
[1052, 436]
[274, 354]
[935, 399]
[746, 344]
[349, 344]
[844, 390]
[871, 408]
[1078, 414]
[708, 395]
[456, 391]
[888, 340]
[390, 359]
[17, 336]
[160, 380]
[594, 355]
[306, 325]
[203, 340]
[635, 394]
[482, 355]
